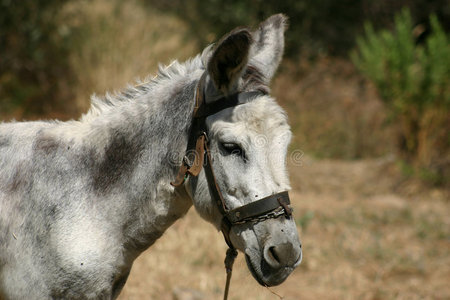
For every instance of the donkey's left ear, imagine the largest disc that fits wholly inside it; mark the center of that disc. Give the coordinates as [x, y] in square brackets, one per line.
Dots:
[269, 45]
[229, 59]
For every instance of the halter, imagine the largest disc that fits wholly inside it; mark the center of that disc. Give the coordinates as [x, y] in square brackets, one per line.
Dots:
[266, 208]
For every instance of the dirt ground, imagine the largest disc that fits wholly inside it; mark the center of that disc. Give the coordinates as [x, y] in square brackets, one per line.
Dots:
[366, 233]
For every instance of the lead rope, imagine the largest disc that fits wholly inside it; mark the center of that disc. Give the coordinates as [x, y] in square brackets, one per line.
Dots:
[229, 261]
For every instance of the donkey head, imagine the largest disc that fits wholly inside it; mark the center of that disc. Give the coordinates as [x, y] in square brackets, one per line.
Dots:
[248, 145]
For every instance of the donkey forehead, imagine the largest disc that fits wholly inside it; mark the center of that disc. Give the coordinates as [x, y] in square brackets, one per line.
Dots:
[261, 116]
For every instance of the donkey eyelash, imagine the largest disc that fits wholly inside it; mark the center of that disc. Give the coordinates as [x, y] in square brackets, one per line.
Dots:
[233, 149]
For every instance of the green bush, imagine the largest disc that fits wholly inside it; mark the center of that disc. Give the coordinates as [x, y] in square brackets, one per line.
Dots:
[414, 82]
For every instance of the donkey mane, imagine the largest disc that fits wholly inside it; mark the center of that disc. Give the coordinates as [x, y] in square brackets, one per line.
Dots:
[133, 92]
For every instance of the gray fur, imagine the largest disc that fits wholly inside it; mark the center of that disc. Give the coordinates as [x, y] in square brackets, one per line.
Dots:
[269, 45]
[80, 200]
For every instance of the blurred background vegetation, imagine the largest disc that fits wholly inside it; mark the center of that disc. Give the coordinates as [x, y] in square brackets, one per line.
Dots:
[360, 79]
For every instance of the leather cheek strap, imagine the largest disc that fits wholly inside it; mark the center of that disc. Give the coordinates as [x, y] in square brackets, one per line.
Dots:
[213, 187]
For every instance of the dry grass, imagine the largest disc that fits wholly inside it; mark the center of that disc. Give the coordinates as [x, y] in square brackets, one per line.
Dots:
[361, 240]
[122, 41]
[332, 110]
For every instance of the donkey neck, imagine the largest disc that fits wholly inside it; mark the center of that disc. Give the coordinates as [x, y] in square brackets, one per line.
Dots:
[140, 144]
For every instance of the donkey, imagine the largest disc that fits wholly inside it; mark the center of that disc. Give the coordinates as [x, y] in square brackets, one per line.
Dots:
[80, 200]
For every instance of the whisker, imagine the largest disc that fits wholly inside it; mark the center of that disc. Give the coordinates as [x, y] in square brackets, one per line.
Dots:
[274, 293]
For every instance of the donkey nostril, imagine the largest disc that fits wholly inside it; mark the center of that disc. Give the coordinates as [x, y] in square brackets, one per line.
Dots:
[282, 255]
[274, 254]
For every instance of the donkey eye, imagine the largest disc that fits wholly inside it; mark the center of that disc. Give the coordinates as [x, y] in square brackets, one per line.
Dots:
[232, 149]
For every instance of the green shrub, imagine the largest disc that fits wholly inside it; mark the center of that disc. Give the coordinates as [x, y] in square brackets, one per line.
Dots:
[414, 82]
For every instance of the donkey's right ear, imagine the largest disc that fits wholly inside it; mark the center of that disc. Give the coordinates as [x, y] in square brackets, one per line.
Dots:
[229, 60]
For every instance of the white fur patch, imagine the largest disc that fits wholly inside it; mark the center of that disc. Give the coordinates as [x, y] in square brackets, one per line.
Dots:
[81, 244]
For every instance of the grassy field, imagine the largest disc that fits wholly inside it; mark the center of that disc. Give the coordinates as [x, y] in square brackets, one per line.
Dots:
[366, 235]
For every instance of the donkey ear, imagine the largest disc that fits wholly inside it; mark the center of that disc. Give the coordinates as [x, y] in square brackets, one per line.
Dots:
[269, 45]
[229, 59]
